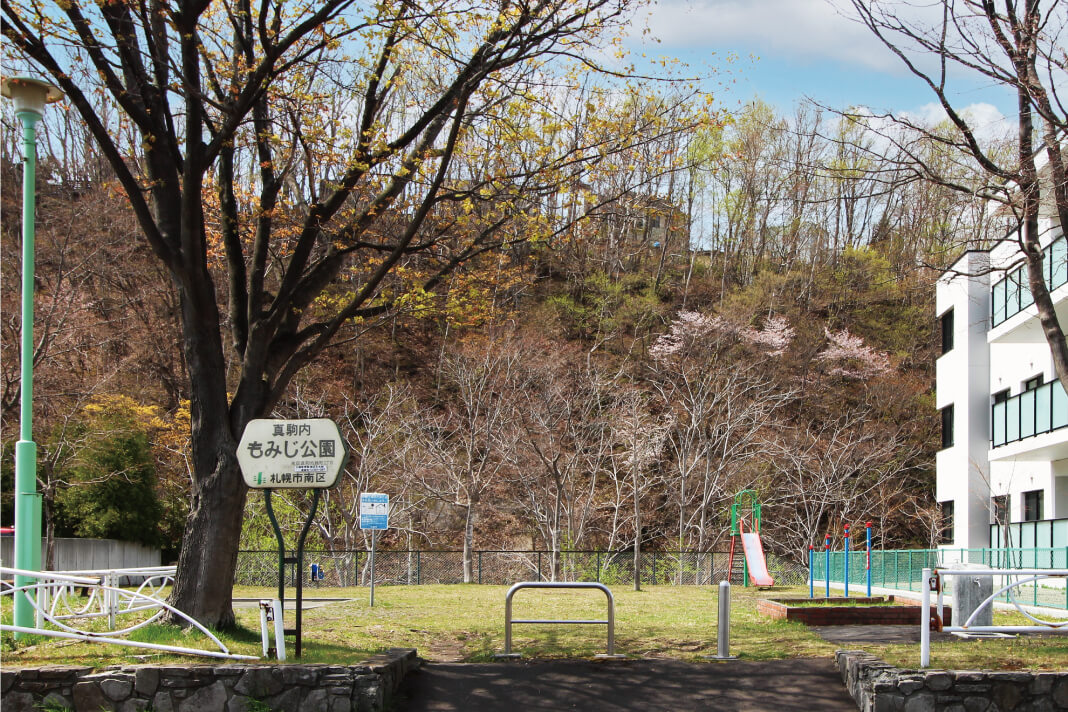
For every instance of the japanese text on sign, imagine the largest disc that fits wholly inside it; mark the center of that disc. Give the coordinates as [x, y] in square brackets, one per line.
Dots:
[291, 453]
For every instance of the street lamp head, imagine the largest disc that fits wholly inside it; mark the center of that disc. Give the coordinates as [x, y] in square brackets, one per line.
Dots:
[29, 93]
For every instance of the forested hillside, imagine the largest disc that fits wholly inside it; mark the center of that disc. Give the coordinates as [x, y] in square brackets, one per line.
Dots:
[758, 314]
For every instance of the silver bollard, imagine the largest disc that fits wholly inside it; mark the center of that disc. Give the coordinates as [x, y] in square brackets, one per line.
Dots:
[723, 625]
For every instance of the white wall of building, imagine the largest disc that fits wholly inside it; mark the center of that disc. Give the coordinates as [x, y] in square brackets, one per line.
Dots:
[963, 376]
[985, 361]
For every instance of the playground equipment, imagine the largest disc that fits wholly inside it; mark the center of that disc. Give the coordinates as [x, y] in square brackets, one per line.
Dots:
[845, 572]
[746, 507]
[508, 621]
[932, 581]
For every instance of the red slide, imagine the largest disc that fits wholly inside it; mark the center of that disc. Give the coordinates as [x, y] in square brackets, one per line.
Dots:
[754, 559]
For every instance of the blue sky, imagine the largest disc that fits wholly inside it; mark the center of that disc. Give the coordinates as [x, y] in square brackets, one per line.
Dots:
[789, 49]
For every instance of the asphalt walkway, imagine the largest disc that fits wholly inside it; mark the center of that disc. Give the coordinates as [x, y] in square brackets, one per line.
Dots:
[798, 685]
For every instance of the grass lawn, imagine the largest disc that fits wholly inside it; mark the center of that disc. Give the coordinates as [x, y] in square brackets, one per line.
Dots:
[466, 623]
[817, 603]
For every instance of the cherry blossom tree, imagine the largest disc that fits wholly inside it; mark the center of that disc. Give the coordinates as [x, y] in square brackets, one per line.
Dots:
[850, 357]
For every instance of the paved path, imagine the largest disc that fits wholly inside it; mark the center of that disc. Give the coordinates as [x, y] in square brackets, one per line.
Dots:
[799, 685]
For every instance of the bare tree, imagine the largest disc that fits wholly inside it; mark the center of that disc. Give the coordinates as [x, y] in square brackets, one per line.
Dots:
[639, 440]
[720, 411]
[257, 209]
[561, 431]
[1015, 45]
[464, 439]
[838, 472]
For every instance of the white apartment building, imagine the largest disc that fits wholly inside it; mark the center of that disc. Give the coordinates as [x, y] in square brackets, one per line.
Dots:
[1002, 472]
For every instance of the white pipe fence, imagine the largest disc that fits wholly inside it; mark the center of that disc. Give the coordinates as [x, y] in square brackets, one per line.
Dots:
[56, 604]
[932, 581]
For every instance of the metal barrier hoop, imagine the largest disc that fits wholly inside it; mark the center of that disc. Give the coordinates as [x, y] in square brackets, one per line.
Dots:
[508, 621]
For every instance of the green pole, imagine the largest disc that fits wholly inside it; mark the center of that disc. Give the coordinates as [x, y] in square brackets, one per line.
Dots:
[27, 500]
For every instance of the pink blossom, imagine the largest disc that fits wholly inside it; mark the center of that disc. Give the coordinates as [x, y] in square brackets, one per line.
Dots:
[691, 327]
[854, 358]
[775, 336]
[687, 328]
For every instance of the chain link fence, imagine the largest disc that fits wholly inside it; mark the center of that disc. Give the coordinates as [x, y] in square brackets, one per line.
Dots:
[614, 568]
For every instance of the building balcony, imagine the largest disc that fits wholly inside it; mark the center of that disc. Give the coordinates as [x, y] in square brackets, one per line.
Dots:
[1050, 535]
[1011, 303]
[1028, 423]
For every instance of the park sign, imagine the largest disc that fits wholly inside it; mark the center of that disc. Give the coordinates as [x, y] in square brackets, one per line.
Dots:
[291, 454]
[374, 510]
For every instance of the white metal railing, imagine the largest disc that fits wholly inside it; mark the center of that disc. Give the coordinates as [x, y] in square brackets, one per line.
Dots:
[610, 621]
[54, 601]
[932, 581]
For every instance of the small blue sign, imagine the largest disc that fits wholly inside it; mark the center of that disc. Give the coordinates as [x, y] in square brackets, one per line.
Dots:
[374, 510]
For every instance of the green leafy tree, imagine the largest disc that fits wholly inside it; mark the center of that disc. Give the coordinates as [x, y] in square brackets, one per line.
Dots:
[109, 487]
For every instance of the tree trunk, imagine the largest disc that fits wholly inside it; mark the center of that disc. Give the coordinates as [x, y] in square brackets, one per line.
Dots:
[204, 583]
[637, 537]
[469, 536]
[203, 588]
[48, 513]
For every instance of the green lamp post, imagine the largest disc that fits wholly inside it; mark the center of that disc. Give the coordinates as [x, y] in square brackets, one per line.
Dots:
[29, 96]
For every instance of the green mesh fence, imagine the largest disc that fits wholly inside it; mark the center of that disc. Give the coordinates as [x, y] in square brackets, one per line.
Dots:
[902, 570]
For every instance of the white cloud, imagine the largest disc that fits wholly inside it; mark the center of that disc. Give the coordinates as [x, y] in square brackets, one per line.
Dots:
[986, 120]
[805, 29]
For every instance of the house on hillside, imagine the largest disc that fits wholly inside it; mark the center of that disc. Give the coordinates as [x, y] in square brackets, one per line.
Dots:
[1002, 472]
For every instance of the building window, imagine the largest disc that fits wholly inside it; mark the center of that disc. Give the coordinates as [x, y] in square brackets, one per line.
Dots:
[999, 509]
[1033, 384]
[947, 426]
[947, 332]
[1001, 396]
[945, 534]
[1032, 506]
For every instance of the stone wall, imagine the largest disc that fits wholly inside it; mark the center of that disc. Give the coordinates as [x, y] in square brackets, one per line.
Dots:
[211, 688]
[879, 687]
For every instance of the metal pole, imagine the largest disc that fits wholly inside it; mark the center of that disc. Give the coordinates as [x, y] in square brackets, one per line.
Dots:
[827, 571]
[281, 548]
[27, 500]
[374, 538]
[846, 573]
[279, 629]
[611, 623]
[508, 622]
[811, 579]
[723, 624]
[925, 620]
[868, 527]
[264, 630]
[300, 568]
